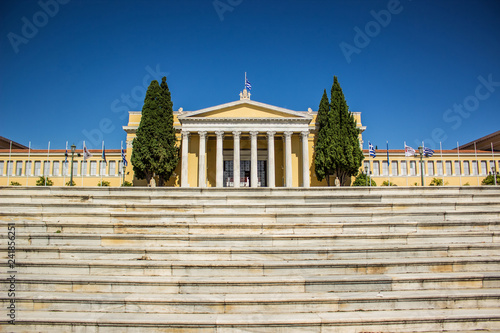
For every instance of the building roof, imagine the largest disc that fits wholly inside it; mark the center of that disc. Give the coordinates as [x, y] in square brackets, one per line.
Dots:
[485, 142]
[5, 144]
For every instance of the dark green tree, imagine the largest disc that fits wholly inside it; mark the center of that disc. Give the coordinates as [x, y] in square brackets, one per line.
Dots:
[346, 154]
[322, 147]
[170, 150]
[154, 152]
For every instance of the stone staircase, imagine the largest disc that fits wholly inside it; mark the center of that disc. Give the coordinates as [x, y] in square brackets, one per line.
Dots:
[253, 260]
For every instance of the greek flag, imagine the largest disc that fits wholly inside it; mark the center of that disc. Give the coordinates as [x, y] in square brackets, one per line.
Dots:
[247, 84]
[125, 163]
[66, 153]
[428, 152]
[371, 150]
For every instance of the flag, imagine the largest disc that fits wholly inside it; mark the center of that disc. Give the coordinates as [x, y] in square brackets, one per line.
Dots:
[104, 152]
[371, 150]
[247, 84]
[388, 163]
[66, 153]
[123, 158]
[86, 153]
[409, 151]
[428, 152]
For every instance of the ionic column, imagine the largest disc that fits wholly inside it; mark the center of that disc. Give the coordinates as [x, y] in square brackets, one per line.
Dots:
[185, 152]
[271, 182]
[236, 159]
[220, 162]
[305, 159]
[254, 181]
[288, 159]
[201, 160]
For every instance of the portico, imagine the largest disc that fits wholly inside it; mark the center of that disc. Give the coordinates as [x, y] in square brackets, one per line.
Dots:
[244, 138]
[237, 167]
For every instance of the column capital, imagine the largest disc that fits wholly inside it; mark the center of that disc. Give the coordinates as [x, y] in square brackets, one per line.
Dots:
[288, 134]
[185, 133]
[305, 134]
[202, 134]
[220, 134]
[270, 133]
[236, 134]
[254, 133]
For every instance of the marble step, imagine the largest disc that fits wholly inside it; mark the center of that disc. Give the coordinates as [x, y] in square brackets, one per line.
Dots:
[258, 253]
[33, 282]
[48, 204]
[260, 240]
[246, 192]
[254, 227]
[350, 216]
[439, 320]
[259, 268]
[255, 303]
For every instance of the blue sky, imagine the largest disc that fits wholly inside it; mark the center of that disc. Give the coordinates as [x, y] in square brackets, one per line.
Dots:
[416, 69]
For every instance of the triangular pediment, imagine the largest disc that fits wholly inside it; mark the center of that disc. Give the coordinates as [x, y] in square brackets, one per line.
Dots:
[245, 109]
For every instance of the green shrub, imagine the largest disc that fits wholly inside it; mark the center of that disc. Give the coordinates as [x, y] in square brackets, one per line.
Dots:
[489, 180]
[436, 182]
[103, 183]
[44, 181]
[15, 184]
[69, 184]
[126, 183]
[387, 183]
[363, 180]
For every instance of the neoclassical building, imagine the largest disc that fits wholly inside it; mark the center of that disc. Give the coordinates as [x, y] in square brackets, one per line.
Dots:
[247, 144]
[242, 144]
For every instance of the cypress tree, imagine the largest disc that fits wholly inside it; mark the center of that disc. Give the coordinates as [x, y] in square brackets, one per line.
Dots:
[154, 152]
[169, 152]
[346, 154]
[322, 146]
[142, 147]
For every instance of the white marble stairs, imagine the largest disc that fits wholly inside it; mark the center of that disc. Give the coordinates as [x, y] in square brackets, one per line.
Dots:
[254, 260]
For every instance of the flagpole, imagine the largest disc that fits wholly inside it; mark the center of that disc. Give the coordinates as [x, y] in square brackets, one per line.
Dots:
[442, 161]
[9, 162]
[123, 164]
[65, 164]
[477, 163]
[84, 161]
[422, 164]
[406, 162]
[245, 84]
[102, 153]
[29, 163]
[388, 164]
[459, 165]
[46, 176]
[494, 165]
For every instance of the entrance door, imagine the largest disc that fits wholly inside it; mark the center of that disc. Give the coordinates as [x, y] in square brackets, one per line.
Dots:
[245, 173]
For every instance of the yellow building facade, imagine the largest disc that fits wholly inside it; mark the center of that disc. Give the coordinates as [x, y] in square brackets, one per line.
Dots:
[241, 144]
[25, 166]
[247, 144]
